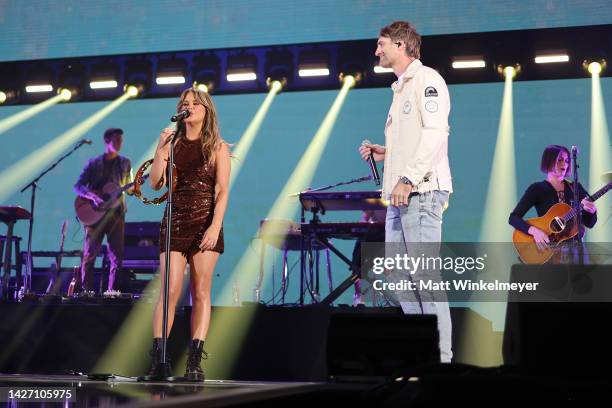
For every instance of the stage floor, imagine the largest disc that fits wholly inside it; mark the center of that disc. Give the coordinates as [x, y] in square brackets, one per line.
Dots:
[127, 391]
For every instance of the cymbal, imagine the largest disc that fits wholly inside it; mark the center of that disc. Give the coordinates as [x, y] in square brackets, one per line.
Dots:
[606, 177]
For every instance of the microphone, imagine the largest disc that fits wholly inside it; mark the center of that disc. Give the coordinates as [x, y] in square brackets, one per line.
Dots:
[86, 141]
[372, 163]
[575, 151]
[180, 116]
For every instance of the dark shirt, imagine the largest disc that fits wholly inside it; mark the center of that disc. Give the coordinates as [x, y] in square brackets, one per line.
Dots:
[542, 195]
[97, 172]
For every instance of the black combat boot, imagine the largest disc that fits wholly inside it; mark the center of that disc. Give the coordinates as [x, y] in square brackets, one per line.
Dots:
[193, 369]
[156, 356]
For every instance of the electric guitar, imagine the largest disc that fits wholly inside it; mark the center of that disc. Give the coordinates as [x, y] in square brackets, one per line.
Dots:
[53, 286]
[89, 213]
[559, 223]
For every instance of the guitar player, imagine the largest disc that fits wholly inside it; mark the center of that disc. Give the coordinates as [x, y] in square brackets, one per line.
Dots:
[554, 189]
[109, 167]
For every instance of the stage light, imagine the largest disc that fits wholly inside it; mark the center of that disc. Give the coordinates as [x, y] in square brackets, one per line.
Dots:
[353, 61]
[104, 76]
[278, 67]
[276, 86]
[349, 80]
[10, 82]
[103, 84]
[200, 87]
[8, 96]
[171, 72]
[138, 74]
[509, 71]
[40, 88]
[551, 58]
[72, 78]
[313, 64]
[594, 68]
[468, 63]
[132, 91]
[170, 80]
[65, 94]
[242, 67]
[206, 70]
[39, 79]
[382, 70]
[313, 71]
[239, 75]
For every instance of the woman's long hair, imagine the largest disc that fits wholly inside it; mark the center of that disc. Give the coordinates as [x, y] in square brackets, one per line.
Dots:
[209, 136]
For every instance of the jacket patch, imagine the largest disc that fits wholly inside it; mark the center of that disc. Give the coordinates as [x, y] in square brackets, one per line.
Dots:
[407, 107]
[431, 107]
[430, 91]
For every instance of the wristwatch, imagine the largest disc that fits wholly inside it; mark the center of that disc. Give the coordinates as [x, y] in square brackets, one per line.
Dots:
[406, 180]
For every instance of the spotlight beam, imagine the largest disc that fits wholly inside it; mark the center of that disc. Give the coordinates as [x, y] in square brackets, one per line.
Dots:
[228, 329]
[600, 160]
[20, 172]
[246, 140]
[501, 194]
[124, 352]
[19, 117]
[501, 197]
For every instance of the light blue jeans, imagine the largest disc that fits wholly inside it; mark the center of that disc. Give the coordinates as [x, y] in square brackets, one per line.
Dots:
[421, 222]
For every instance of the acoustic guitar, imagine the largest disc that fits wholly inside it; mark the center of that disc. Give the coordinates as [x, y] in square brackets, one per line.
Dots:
[559, 223]
[89, 213]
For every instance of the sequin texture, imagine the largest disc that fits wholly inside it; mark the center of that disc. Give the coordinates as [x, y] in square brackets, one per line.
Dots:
[194, 201]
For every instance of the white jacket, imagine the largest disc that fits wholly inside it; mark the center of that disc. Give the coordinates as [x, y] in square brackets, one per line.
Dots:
[416, 132]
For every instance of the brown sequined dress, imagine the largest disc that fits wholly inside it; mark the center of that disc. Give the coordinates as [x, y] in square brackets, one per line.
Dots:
[194, 200]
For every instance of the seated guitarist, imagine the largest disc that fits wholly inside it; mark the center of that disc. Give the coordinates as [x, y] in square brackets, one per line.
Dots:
[114, 168]
[555, 189]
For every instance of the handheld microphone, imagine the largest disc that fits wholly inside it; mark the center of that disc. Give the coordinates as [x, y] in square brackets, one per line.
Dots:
[372, 163]
[180, 116]
[86, 141]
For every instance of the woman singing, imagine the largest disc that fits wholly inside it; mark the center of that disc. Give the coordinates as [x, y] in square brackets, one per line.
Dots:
[200, 196]
[555, 189]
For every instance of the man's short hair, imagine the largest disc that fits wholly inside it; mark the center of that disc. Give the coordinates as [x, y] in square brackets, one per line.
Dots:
[109, 133]
[550, 155]
[404, 31]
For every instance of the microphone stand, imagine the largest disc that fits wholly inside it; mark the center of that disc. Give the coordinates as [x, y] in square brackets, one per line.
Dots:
[163, 370]
[576, 205]
[27, 280]
[310, 190]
